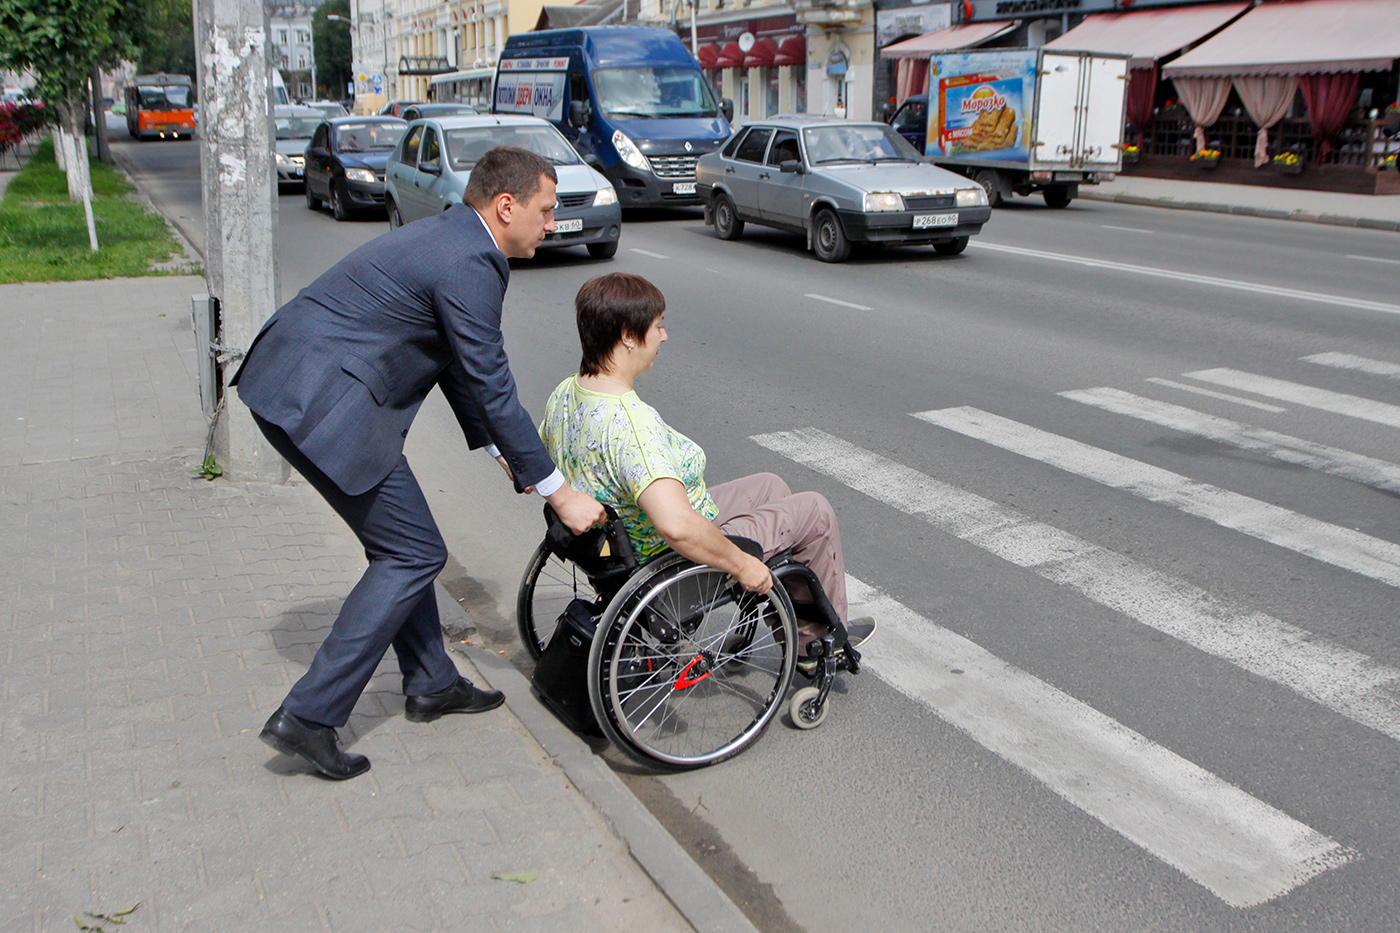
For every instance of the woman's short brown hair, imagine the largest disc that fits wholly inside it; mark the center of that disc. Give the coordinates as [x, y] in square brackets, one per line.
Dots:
[610, 307]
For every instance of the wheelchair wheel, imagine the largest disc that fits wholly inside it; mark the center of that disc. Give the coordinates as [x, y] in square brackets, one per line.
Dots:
[546, 588]
[688, 669]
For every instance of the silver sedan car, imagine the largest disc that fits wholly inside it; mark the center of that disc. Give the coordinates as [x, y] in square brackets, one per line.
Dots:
[838, 182]
[428, 173]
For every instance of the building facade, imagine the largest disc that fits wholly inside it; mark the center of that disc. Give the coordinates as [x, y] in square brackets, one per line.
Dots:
[292, 48]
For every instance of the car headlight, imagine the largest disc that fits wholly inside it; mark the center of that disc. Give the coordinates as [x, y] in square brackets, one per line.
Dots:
[883, 201]
[971, 197]
[629, 151]
[604, 197]
[359, 174]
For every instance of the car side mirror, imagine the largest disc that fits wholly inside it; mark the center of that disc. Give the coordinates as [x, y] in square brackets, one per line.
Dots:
[791, 167]
[727, 108]
[432, 168]
[580, 111]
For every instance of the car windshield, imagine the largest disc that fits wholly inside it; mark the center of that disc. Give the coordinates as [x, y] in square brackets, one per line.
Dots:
[297, 126]
[164, 96]
[649, 93]
[468, 144]
[858, 142]
[368, 137]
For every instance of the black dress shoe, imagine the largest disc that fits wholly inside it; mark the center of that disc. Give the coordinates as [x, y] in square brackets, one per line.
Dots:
[316, 744]
[461, 697]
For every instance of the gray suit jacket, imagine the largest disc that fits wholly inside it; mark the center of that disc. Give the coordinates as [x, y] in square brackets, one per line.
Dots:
[343, 366]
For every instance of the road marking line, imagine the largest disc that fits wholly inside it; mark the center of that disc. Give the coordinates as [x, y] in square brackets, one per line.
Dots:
[1126, 229]
[1238, 847]
[838, 301]
[1198, 279]
[1373, 259]
[1338, 403]
[1345, 681]
[1370, 471]
[1331, 544]
[1220, 395]
[649, 253]
[1359, 363]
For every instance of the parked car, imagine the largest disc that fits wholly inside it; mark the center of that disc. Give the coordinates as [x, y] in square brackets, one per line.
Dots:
[328, 109]
[839, 182]
[395, 108]
[293, 125]
[428, 173]
[345, 163]
[418, 111]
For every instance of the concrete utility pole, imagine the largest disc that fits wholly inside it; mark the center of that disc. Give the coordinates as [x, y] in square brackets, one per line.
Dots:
[240, 209]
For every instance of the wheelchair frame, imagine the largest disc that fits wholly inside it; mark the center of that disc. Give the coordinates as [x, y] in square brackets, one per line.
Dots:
[678, 645]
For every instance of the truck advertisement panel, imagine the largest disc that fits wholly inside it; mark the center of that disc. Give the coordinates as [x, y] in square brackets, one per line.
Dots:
[980, 105]
[535, 86]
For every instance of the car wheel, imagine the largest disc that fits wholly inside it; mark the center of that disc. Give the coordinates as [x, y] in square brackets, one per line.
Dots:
[1057, 197]
[991, 183]
[338, 207]
[828, 239]
[395, 218]
[728, 226]
[603, 250]
[952, 247]
[312, 202]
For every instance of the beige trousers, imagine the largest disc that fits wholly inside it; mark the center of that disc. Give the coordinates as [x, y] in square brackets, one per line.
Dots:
[762, 508]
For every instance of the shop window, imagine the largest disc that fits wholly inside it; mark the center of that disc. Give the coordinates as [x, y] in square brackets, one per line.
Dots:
[771, 74]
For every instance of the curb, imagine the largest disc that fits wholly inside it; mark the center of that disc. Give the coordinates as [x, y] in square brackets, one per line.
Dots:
[1336, 220]
[703, 904]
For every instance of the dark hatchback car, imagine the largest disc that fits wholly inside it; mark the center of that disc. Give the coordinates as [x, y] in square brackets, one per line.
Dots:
[418, 111]
[345, 163]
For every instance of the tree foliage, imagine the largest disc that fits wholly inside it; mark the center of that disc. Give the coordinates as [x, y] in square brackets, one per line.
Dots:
[165, 36]
[61, 41]
[331, 39]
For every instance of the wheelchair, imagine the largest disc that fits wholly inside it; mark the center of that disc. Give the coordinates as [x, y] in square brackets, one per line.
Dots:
[685, 667]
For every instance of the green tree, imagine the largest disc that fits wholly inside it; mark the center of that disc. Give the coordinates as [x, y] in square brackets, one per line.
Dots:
[61, 42]
[165, 36]
[333, 47]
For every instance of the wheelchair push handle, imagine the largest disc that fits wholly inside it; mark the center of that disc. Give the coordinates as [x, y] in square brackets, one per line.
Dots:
[606, 542]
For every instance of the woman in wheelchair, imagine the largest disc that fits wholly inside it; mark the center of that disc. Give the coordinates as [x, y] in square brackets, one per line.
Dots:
[609, 443]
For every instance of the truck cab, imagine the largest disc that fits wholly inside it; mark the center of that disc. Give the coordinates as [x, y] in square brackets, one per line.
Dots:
[631, 99]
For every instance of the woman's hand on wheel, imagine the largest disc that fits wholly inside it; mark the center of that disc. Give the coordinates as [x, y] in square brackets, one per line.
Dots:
[754, 575]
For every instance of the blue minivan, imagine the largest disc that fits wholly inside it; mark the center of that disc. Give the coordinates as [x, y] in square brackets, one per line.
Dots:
[631, 99]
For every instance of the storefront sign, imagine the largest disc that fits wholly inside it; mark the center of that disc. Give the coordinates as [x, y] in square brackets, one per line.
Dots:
[911, 21]
[836, 63]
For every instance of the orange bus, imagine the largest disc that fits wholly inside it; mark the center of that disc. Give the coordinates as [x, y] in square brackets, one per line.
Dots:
[160, 106]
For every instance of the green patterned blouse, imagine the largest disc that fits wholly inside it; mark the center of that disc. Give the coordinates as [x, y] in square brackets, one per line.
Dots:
[613, 447]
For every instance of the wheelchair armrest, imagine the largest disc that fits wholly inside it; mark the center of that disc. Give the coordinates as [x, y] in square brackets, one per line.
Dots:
[747, 545]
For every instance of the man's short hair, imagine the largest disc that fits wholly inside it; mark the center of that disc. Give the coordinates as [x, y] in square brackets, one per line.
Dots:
[507, 170]
[610, 307]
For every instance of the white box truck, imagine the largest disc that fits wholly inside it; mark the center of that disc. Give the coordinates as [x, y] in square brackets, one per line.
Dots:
[1022, 120]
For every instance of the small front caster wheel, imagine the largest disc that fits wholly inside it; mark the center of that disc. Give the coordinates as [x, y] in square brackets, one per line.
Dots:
[806, 711]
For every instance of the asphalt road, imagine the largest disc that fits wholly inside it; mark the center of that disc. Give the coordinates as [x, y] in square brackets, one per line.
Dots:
[1122, 486]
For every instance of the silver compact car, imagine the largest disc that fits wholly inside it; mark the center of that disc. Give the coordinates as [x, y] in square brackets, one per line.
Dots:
[840, 183]
[428, 173]
[293, 126]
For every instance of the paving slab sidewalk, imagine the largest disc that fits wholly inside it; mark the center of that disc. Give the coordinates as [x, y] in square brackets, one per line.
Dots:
[1377, 212]
[151, 621]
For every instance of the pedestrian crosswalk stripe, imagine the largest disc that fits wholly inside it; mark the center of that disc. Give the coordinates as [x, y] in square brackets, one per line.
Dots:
[1272, 290]
[1238, 847]
[1332, 544]
[1345, 681]
[1380, 474]
[1359, 363]
[1336, 402]
[1209, 393]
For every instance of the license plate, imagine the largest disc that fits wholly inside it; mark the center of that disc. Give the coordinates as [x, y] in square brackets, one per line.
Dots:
[683, 187]
[1067, 176]
[569, 226]
[924, 221]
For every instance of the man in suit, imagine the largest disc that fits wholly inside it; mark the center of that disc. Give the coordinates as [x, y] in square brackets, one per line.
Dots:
[335, 378]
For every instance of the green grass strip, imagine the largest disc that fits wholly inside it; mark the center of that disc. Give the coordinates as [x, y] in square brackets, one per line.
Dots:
[43, 235]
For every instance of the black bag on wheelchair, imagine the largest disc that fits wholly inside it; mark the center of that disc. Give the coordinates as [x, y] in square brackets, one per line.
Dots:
[561, 676]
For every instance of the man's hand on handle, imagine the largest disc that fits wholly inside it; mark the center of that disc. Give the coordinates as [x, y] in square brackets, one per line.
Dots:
[577, 511]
